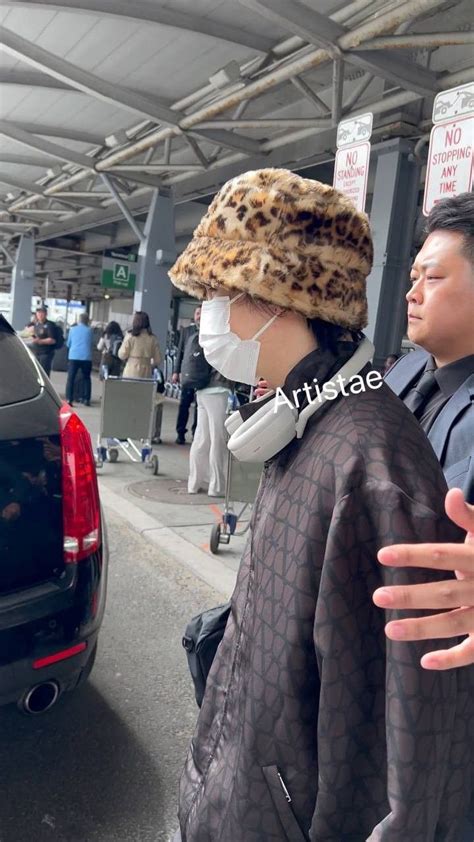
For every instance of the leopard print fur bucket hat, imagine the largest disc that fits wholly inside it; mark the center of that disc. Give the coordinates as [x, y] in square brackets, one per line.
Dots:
[286, 240]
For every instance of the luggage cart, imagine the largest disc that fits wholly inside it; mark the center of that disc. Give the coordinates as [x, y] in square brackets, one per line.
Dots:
[127, 416]
[242, 481]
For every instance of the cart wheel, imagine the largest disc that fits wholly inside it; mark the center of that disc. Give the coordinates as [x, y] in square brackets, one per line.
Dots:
[215, 538]
[154, 465]
[113, 454]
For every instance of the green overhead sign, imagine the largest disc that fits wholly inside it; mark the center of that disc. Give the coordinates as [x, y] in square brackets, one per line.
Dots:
[119, 270]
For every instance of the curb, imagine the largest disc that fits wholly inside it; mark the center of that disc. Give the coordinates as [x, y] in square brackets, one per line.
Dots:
[211, 571]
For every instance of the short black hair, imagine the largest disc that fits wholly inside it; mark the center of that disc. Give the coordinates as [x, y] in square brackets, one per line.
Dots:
[455, 214]
[328, 335]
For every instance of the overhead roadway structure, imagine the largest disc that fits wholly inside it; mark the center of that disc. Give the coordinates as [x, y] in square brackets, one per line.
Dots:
[106, 101]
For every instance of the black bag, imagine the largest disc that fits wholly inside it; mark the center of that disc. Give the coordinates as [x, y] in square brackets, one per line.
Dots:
[115, 346]
[58, 335]
[195, 370]
[202, 637]
[110, 357]
[160, 381]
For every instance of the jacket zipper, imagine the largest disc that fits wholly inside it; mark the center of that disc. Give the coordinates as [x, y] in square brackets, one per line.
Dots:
[283, 786]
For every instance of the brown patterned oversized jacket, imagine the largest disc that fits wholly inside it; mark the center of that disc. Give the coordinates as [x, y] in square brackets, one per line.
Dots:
[314, 726]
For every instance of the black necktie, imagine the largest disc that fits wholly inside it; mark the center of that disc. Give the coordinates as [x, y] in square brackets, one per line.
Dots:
[417, 397]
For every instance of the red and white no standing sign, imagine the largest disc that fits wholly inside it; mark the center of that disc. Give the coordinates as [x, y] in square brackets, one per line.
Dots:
[351, 169]
[450, 157]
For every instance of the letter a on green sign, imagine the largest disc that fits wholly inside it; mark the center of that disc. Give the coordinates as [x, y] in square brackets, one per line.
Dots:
[121, 272]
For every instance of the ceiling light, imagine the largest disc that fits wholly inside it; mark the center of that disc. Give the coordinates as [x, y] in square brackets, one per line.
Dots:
[106, 296]
[119, 138]
[52, 172]
[228, 75]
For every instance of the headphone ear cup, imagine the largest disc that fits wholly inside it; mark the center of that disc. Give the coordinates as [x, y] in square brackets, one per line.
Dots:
[264, 434]
[233, 422]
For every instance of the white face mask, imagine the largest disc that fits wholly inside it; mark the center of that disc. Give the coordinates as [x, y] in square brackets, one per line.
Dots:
[233, 357]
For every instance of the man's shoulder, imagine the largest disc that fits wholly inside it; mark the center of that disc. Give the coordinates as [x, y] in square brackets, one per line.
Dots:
[406, 369]
[409, 361]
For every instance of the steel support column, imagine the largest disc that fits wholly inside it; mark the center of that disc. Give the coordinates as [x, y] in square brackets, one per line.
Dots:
[23, 278]
[393, 216]
[156, 254]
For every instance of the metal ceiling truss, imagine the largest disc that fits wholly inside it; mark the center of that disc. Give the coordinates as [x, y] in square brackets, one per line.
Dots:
[324, 32]
[150, 12]
[419, 41]
[24, 160]
[32, 141]
[63, 132]
[313, 143]
[113, 94]
[31, 79]
[335, 42]
[314, 99]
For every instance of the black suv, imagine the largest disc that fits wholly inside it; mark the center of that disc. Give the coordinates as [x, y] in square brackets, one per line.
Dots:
[53, 553]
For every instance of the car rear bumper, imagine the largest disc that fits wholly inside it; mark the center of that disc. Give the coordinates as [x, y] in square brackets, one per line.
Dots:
[48, 620]
[17, 678]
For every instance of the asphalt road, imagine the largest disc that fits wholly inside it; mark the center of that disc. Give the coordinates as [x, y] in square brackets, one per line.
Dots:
[104, 764]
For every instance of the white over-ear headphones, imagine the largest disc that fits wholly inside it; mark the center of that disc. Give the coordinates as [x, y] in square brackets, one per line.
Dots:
[270, 429]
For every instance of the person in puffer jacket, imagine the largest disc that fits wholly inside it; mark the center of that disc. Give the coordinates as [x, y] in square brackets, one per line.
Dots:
[315, 725]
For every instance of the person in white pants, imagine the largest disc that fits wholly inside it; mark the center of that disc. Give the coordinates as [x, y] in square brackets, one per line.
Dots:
[207, 458]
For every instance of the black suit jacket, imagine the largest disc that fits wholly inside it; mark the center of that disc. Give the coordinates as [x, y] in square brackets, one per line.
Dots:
[452, 434]
[187, 333]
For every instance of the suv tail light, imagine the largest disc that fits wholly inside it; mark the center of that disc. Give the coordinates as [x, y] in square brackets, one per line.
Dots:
[81, 506]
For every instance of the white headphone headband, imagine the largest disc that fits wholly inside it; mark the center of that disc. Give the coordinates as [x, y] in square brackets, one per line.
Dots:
[269, 430]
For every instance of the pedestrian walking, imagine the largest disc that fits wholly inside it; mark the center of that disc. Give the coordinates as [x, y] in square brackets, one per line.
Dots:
[109, 344]
[141, 353]
[140, 349]
[43, 344]
[185, 373]
[208, 454]
[79, 344]
[314, 724]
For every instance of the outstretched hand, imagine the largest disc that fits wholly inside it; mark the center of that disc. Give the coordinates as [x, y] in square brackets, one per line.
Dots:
[456, 595]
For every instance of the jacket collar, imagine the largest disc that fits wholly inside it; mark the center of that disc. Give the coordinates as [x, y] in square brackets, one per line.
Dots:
[319, 365]
[406, 370]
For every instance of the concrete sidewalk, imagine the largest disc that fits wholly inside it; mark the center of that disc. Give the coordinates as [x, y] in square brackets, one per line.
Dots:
[159, 508]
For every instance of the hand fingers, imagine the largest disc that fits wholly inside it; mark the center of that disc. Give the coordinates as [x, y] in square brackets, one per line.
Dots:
[435, 556]
[446, 659]
[450, 624]
[459, 511]
[449, 594]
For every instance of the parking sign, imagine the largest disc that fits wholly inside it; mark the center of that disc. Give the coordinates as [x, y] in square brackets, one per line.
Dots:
[351, 169]
[450, 161]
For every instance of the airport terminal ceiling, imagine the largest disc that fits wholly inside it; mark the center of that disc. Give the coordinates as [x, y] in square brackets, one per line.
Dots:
[103, 101]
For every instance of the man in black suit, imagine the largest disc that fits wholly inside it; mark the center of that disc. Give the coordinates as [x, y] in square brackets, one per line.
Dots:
[187, 392]
[437, 381]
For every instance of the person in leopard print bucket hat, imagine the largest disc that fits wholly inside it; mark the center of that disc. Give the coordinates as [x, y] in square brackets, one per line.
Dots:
[315, 726]
[287, 240]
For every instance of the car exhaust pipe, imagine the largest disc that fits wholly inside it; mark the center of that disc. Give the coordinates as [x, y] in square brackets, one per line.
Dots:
[40, 698]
